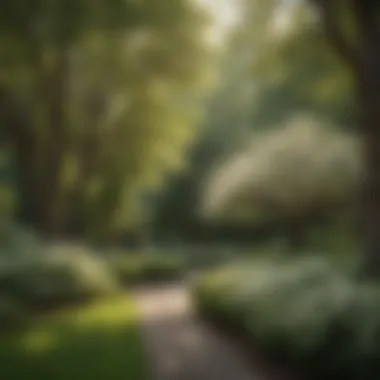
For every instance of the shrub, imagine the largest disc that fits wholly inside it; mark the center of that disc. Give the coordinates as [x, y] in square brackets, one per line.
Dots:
[19, 246]
[128, 269]
[284, 176]
[300, 311]
[35, 273]
[214, 295]
[66, 273]
[132, 268]
[208, 257]
[163, 267]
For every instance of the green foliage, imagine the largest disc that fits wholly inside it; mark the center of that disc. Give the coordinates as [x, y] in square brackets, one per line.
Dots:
[275, 65]
[98, 341]
[214, 293]
[301, 311]
[7, 206]
[287, 173]
[137, 267]
[294, 67]
[67, 274]
[209, 257]
[99, 92]
[19, 244]
[13, 312]
[34, 275]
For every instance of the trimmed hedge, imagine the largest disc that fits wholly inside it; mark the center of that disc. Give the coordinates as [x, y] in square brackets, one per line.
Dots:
[136, 268]
[300, 312]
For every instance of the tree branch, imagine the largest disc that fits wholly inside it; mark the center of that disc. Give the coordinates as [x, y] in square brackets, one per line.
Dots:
[330, 20]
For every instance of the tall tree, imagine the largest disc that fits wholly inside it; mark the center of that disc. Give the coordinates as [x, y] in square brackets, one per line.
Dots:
[267, 73]
[92, 96]
[224, 125]
[353, 29]
[286, 178]
[293, 67]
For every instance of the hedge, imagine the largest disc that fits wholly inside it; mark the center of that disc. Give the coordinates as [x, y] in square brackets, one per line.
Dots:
[137, 268]
[33, 275]
[301, 312]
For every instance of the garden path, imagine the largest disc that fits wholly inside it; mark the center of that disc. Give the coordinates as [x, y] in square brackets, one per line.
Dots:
[179, 346]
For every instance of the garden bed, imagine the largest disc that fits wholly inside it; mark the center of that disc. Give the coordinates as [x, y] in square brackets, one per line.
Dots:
[300, 314]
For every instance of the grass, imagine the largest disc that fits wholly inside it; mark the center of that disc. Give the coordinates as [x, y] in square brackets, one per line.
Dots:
[96, 342]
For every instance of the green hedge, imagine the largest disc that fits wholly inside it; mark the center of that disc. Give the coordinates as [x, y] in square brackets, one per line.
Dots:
[301, 312]
[136, 268]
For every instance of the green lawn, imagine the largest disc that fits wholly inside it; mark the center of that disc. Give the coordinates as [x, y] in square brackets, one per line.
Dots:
[97, 342]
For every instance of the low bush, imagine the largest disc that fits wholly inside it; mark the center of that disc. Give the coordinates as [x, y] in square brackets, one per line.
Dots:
[215, 295]
[208, 257]
[135, 268]
[301, 311]
[66, 273]
[33, 274]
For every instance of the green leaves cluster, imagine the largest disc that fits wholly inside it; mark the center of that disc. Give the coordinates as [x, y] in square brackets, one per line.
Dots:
[294, 176]
[302, 312]
[106, 94]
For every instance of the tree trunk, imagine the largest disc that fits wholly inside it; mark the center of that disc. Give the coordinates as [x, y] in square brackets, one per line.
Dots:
[369, 97]
[56, 142]
[88, 154]
[19, 131]
[363, 57]
[296, 234]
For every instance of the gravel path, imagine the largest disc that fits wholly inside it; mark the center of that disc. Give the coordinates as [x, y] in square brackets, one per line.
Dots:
[178, 345]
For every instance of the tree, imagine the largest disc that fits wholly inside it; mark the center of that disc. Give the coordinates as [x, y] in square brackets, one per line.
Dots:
[294, 69]
[294, 176]
[223, 127]
[353, 29]
[265, 76]
[92, 96]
